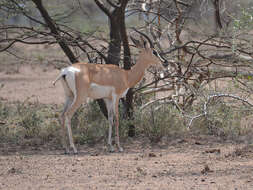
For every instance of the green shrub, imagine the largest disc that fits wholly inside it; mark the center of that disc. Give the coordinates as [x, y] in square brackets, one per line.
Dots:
[223, 120]
[157, 122]
[27, 123]
[89, 124]
[31, 121]
[4, 111]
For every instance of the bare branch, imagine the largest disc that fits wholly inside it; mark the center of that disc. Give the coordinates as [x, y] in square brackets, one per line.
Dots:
[54, 30]
[209, 98]
[103, 8]
[112, 4]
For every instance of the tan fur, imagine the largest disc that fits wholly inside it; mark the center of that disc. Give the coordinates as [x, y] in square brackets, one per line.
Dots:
[113, 82]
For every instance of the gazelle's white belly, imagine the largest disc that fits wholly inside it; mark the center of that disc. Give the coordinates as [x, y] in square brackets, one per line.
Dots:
[124, 93]
[97, 91]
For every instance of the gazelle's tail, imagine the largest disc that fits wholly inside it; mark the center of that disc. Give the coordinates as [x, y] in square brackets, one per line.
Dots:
[63, 73]
[59, 77]
[68, 82]
[66, 71]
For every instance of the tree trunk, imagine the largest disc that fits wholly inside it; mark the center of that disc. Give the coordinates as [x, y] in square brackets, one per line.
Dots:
[115, 38]
[53, 28]
[128, 102]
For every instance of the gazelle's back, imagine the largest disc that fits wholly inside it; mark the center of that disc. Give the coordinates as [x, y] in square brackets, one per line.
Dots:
[97, 75]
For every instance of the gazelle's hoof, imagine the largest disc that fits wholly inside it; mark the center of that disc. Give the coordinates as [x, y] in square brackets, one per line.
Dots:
[111, 149]
[66, 152]
[74, 150]
[121, 149]
[70, 153]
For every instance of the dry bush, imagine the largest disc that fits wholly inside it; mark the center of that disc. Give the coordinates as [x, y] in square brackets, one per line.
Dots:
[28, 124]
[89, 125]
[157, 122]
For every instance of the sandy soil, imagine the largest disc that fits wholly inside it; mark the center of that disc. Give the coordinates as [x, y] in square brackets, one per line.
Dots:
[31, 83]
[180, 164]
[185, 164]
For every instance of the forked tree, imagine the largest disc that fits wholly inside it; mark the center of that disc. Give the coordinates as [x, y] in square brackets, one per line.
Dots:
[108, 82]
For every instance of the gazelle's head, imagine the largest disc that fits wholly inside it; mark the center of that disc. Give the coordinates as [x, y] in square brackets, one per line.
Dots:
[148, 55]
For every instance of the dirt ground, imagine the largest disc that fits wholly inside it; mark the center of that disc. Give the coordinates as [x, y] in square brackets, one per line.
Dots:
[184, 164]
[30, 82]
[190, 163]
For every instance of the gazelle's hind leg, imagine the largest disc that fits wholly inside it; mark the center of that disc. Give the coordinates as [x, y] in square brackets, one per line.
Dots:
[68, 102]
[70, 98]
[69, 113]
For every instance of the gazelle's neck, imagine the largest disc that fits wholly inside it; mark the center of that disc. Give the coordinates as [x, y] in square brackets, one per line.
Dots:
[137, 72]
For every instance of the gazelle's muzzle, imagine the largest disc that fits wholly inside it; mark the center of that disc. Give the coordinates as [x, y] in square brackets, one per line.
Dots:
[165, 63]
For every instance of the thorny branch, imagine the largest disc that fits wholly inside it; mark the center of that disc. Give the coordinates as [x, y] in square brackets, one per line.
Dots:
[207, 102]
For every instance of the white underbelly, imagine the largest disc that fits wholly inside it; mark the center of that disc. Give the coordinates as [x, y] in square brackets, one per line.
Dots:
[97, 91]
[124, 93]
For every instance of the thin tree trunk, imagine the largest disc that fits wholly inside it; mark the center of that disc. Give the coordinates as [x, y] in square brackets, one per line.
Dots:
[53, 28]
[128, 102]
[115, 38]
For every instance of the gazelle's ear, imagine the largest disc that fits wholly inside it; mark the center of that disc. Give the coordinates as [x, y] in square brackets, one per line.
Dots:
[151, 45]
[136, 42]
[145, 44]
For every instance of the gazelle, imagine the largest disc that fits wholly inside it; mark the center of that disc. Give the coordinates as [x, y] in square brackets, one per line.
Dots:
[109, 82]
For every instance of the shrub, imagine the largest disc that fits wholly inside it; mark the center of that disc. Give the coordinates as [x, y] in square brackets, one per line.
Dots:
[27, 123]
[89, 124]
[223, 120]
[157, 122]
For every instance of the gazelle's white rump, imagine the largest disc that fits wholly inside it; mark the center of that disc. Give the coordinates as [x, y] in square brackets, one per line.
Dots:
[70, 69]
[66, 71]
[69, 74]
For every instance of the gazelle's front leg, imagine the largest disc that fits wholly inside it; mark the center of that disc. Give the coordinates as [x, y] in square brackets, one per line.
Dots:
[116, 110]
[110, 118]
[109, 108]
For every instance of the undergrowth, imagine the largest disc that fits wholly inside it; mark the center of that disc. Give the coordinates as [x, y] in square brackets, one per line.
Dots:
[24, 123]
[157, 122]
[34, 124]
